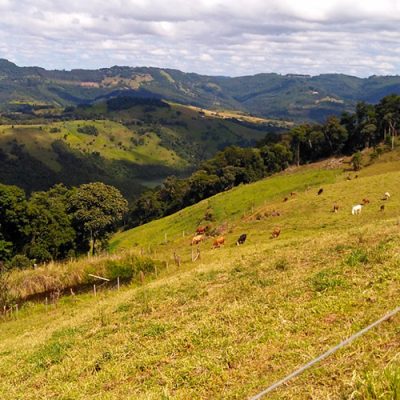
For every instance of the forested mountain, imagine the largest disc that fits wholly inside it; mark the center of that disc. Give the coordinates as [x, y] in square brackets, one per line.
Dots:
[293, 97]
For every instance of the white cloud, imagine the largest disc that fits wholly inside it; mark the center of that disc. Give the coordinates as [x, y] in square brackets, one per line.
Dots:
[238, 37]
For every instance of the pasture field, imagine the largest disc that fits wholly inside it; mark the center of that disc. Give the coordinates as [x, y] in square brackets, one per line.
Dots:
[240, 317]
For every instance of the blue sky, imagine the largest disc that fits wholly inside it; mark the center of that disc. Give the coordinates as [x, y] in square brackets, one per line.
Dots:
[215, 37]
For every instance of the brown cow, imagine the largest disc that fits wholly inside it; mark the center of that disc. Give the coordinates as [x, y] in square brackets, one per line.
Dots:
[382, 207]
[202, 229]
[320, 191]
[276, 232]
[197, 239]
[365, 201]
[218, 242]
[293, 194]
[285, 199]
[335, 208]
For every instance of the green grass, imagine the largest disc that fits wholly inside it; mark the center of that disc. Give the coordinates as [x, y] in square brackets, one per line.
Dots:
[241, 317]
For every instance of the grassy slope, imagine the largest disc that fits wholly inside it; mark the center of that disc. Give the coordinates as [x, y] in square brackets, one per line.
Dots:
[241, 318]
[113, 142]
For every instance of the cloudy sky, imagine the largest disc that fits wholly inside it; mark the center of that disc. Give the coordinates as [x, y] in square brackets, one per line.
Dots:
[215, 37]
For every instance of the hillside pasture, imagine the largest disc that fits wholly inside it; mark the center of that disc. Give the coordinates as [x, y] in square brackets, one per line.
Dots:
[240, 317]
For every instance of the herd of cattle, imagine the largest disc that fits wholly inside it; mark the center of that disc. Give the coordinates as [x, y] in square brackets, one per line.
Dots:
[202, 231]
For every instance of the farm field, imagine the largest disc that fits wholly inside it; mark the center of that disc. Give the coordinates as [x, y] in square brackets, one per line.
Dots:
[240, 317]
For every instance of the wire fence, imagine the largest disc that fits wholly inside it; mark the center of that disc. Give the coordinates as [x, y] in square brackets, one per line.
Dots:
[325, 355]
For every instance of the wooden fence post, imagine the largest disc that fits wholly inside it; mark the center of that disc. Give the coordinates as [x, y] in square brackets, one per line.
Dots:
[94, 290]
[118, 283]
[141, 277]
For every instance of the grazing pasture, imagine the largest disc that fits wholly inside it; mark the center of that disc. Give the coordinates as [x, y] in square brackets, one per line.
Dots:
[240, 317]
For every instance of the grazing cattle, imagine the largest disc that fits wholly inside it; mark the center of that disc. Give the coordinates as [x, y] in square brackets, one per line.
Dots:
[276, 232]
[275, 214]
[197, 239]
[335, 208]
[356, 209]
[242, 239]
[320, 191]
[349, 178]
[219, 241]
[293, 194]
[382, 207]
[365, 201]
[386, 196]
[285, 199]
[202, 229]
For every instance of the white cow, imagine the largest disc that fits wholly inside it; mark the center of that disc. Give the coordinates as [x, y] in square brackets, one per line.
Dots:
[356, 209]
[386, 196]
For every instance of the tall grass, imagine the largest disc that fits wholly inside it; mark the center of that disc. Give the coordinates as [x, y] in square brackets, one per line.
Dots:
[60, 276]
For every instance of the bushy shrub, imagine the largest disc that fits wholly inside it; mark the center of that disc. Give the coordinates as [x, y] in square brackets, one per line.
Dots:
[20, 261]
[121, 269]
[88, 130]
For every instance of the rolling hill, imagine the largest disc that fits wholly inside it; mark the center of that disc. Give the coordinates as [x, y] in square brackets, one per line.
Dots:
[126, 142]
[289, 97]
[240, 317]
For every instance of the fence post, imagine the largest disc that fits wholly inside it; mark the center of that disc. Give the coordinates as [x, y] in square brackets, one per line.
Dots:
[118, 283]
[94, 290]
[141, 277]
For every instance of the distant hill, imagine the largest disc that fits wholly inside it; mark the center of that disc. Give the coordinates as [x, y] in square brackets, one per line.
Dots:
[131, 143]
[294, 97]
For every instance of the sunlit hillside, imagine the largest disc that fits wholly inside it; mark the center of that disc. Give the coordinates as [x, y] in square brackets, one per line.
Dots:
[239, 317]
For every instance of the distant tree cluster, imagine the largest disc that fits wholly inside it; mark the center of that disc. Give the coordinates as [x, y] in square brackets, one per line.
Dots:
[58, 223]
[367, 127]
[88, 130]
[227, 169]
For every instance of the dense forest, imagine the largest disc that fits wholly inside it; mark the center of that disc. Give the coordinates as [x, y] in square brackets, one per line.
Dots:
[56, 224]
[63, 222]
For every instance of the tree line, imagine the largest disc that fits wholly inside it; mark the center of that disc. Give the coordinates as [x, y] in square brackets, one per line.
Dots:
[58, 223]
[368, 126]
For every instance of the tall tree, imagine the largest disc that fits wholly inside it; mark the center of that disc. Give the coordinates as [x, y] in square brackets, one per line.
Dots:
[51, 231]
[96, 211]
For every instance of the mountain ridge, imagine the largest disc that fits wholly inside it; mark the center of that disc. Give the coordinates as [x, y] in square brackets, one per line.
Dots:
[273, 95]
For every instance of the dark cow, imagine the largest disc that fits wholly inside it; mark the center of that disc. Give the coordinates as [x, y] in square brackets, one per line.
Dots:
[320, 191]
[365, 201]
[382, 207]
[242, 239]
[335, 208]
